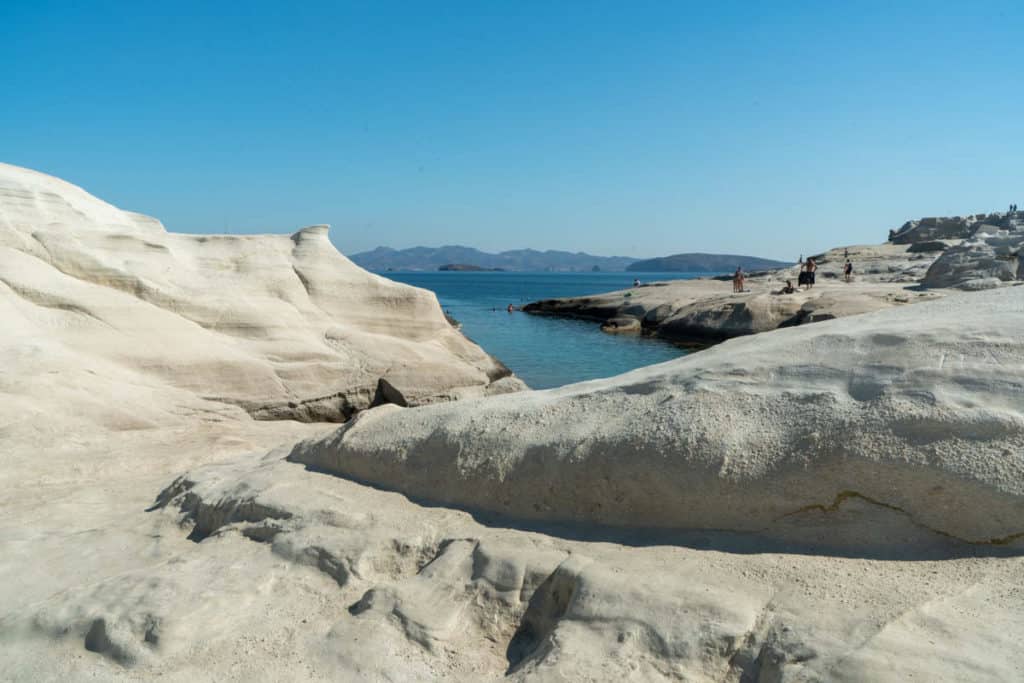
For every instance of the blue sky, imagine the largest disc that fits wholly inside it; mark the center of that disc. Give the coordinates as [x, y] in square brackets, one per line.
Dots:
[632, 128]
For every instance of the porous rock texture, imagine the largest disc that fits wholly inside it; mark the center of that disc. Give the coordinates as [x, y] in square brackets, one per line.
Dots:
[283, 326]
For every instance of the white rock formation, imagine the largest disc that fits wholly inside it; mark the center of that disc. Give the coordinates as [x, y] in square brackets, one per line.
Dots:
[706, 310]
[942, 228]
[989, 259]
[286, 327]
[281, 573]
[917, 410]
[884, 450]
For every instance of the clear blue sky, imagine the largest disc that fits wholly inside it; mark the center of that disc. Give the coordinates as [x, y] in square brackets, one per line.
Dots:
[632, 128]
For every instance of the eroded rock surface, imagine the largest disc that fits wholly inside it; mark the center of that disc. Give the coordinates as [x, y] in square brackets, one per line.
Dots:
[432, 593]
[705, 310]
[283, 326]
[990, 258]
[926, 230]
[941, 228]
[249, 566]
[916, 410]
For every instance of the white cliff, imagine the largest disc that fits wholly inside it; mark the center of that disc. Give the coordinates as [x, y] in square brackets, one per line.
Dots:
[834, 502]
[282, 326]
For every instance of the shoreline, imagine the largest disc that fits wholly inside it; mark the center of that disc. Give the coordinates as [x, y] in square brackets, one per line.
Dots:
[703, 312]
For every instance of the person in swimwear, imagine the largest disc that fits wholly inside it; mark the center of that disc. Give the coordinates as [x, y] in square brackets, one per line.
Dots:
[788, 289]
[737, 279]
[812, 266]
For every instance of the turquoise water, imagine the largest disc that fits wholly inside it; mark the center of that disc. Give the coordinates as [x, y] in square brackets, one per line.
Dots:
[543, 351]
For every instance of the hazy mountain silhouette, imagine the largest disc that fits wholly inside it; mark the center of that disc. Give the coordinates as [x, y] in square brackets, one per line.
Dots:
[432, 258]
[704, 263]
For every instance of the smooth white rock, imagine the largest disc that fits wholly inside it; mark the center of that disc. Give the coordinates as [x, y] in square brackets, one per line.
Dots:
[916, 409]
[284, 326]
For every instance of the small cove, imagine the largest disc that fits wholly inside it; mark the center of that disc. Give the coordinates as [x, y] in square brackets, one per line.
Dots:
[543, 351]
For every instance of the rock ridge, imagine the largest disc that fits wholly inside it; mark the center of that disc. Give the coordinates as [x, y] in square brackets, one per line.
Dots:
[283, 326]
[890, 420]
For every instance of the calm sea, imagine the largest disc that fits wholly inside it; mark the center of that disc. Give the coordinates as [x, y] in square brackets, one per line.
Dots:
[544, 352]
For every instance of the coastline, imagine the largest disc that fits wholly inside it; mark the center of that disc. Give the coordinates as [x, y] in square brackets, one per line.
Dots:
[704, 311]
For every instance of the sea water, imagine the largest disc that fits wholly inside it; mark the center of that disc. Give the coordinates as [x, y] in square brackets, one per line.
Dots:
[543, 351]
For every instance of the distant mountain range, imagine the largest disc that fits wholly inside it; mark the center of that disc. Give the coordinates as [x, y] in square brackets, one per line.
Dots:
[704, 263]
[431, 258]
[467, 258]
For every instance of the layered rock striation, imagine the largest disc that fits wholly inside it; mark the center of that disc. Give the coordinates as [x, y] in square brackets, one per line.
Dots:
[283, 326]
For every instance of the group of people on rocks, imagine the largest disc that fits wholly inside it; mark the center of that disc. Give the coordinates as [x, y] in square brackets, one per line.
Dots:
[806, 278]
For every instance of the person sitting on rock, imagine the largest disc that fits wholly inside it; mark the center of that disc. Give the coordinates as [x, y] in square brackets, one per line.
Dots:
[788, 289]
[636, 282]
[848, 271]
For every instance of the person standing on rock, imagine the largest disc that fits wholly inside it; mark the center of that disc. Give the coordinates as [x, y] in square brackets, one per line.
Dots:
[807, 273]
[737, 279]
[848, 271]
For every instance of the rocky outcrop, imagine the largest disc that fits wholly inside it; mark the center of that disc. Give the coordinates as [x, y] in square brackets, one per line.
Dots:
[989, 259]
[432, 593]
[949, 228]
[624, 325]
[940, 228]
[925, 247]
[889, 444]
[283, 326]
[704, 310]
[917, 414]
[835, 502]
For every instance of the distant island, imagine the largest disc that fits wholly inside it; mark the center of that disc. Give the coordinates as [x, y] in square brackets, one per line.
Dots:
[469, 267]
[703, 263]
[433, 258]
[460, 258]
